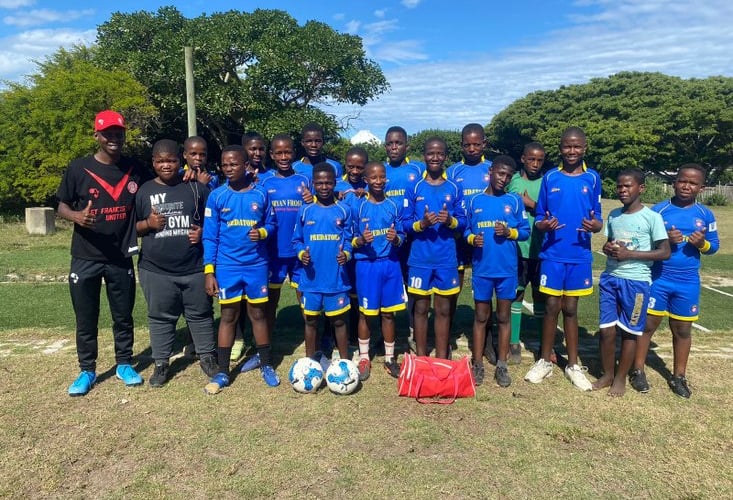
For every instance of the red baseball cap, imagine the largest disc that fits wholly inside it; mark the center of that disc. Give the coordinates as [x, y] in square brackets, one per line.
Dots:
[108, 118]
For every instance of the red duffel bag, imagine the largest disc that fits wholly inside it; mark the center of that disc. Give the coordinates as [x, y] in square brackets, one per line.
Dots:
[434, 380]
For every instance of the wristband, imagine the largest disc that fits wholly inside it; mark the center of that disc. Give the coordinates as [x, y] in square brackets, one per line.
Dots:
[705, 247]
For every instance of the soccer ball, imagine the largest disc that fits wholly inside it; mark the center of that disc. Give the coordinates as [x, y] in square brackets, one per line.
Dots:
[342, 376]
[305, 375]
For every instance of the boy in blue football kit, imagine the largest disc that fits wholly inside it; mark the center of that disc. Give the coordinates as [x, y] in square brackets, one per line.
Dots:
[434, 212]
[286, 192]
[472, 176]
[378, 234]
[170, 215]
[568, 211]
[237, 220]
[635, 239]
[527, 185]
[312, 143]
[496, 220]
[675, 292]
[322, 240]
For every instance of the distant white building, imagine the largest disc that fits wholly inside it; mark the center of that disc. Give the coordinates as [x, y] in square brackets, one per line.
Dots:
[365, 137]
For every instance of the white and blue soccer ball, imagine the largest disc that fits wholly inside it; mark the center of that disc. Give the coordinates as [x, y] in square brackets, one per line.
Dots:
[305, 375]
[342, 376]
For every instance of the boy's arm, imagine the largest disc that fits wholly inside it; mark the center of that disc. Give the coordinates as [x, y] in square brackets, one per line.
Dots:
[706, 240]
[458, 219]
[210, 235]
[270, 222]
[522, 221]
[468, 235]
[298, 244]
[399, 226]
[348, 234]
[661, 251]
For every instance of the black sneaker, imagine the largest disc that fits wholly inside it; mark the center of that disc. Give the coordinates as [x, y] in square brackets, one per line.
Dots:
[478, 373]
[392, 368]
[515, 354]
[637, 379]
[501, 375]
[678, 384]
[489, 351]
[160, 374]
[209, 365]
[189, 351]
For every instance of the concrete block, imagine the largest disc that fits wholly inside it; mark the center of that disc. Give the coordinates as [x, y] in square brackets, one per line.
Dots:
[40, 220]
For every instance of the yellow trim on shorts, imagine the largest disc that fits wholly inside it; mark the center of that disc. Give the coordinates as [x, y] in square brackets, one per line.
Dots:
[257, 301]
[369, 312]
[683, 318]
[417, 291]
[308, 312]
[339, 312]
[232, 301]
[584, 292]
[657, 313]
[398, 307]
[450, 291]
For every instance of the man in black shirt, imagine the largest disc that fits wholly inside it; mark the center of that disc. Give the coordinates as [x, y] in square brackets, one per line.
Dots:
[97, 194]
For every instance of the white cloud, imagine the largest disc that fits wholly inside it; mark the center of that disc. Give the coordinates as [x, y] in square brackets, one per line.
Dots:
[18, 52]
[339, 16]
[352, 27]
[410, 4]
[15, 4]
[393, 50]
[668, 36]
[380, 13]
[44, 16]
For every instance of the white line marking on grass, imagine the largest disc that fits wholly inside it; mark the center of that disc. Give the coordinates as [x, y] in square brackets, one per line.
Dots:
[55, 347]
[701, 328]
[718, 291]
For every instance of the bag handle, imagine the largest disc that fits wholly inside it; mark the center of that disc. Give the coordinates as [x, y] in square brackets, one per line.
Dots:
[436, 400]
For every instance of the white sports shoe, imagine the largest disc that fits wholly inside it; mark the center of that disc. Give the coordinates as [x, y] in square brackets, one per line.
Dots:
[539, 371]
[576, 374]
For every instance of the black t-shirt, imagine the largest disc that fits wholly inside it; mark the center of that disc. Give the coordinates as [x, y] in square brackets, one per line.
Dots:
[111, 188]
[168, 251]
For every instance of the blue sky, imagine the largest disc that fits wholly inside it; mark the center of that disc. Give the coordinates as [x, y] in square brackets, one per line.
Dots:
[448, 63]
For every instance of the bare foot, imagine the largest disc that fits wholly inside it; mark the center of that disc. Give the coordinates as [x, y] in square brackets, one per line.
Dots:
[618, 389]
[604, 381]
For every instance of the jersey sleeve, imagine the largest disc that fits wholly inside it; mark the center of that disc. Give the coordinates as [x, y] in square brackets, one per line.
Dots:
[409, 213]
[298, 237]
[711, 233]
[541, 206]
[522, 220]
[210, 234]
[348, 229]
[459, 210]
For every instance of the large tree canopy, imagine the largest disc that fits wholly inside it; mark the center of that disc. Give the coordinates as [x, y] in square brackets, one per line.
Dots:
[253, 71]
[48, 123]
[646, 120]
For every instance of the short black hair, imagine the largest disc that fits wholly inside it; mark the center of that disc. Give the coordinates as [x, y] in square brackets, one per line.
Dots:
[236, 148]
[573, 132]
[194, 139]
[505, 160]
[324, 166]
[282, 138]
[312, 127]
[374, 164]
[533, 145]
[251, 136]
[473, 128]
[358, 151]
[396, 129]
[694, 166]
[165, 146]
[435, 138]
[634, 173]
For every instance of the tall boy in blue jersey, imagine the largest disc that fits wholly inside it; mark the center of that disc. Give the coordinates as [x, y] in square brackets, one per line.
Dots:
[496, 221]
[692, 232]
[322, 240]
[568, 212]
[237, 220]
[434, 212]
[286, 192]
[311, 141]
[472, 176]
[378, 234]
[402, 175]
[635, 239]
[527, 185]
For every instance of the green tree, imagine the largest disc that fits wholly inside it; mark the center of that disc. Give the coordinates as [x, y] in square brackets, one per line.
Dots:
[646, 120]
[253, 71]
[452, 138]
[48, 121]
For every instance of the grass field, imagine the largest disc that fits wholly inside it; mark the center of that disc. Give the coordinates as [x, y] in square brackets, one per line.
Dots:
[253, 441]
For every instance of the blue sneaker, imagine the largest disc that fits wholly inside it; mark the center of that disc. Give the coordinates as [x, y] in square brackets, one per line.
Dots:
[252, 363]
[217, 383]
[82, 384]
[128, 375]
[269, 376]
